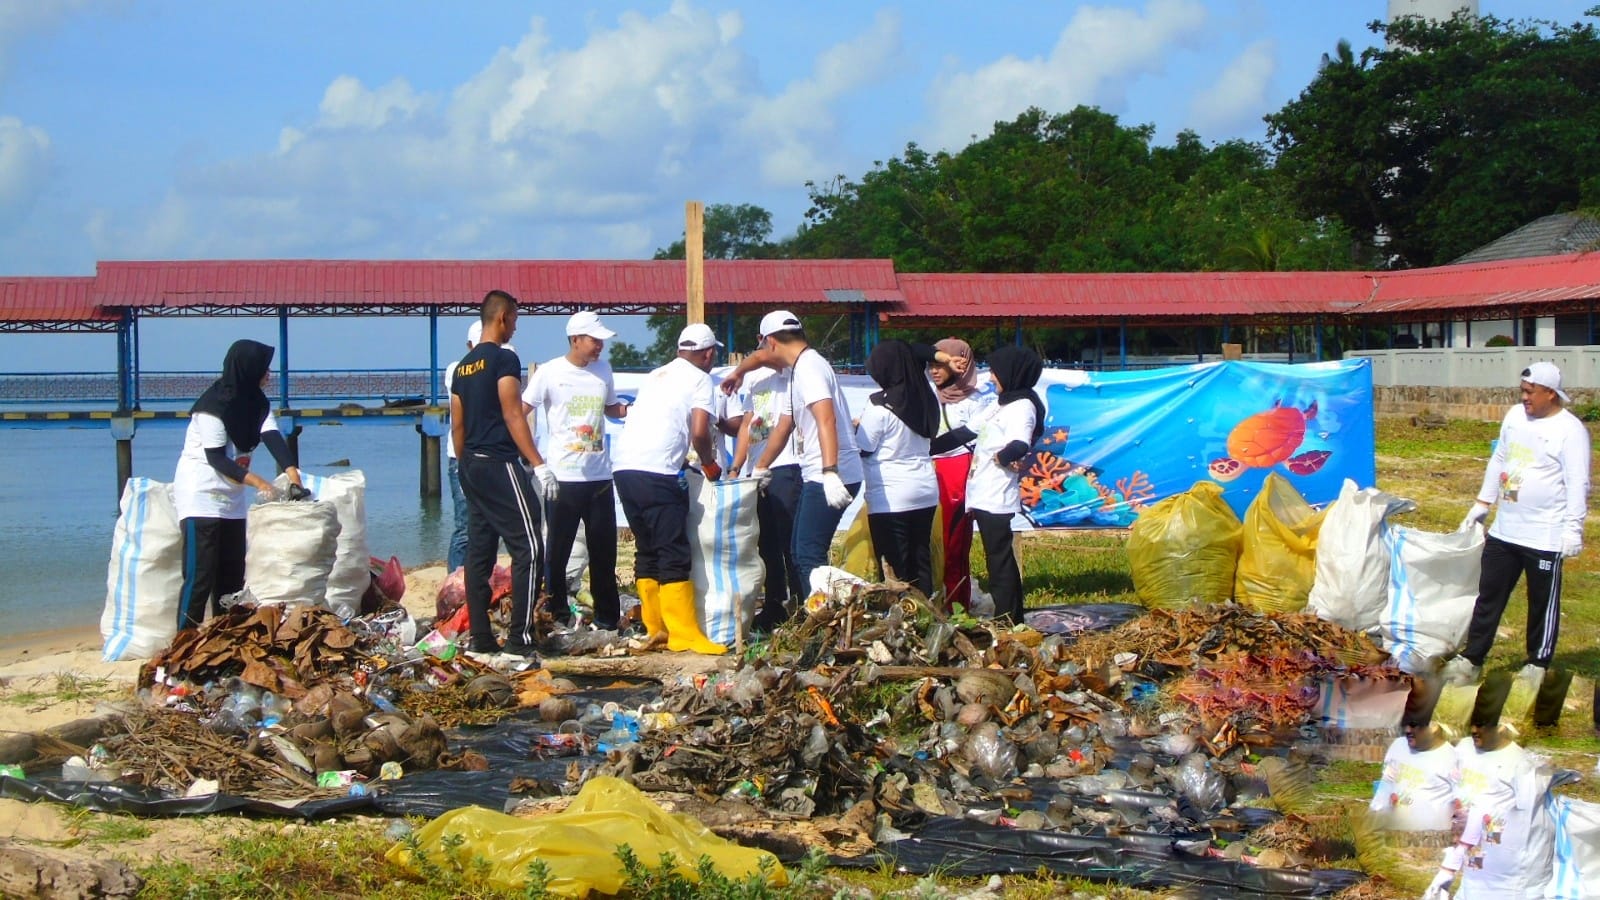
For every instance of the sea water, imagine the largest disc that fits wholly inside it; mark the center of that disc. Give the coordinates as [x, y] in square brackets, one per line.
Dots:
[58, 505]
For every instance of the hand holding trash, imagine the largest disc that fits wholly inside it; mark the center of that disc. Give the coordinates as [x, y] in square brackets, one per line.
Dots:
[833, 489]
[1438, 889]
[1475, 516]
[549, 487]
[298, 492]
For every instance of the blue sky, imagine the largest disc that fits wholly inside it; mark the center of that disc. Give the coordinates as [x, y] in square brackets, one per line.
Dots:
[134, 129]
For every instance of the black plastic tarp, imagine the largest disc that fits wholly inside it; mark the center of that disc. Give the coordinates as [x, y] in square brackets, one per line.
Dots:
[963, 847]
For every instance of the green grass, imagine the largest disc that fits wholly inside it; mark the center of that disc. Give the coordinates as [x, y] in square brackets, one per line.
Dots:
[62, 687]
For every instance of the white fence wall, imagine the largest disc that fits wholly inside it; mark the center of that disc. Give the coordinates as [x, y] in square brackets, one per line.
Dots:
[1478, 367]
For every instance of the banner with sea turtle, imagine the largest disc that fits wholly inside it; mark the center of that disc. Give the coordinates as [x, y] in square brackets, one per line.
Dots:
[1116, 442]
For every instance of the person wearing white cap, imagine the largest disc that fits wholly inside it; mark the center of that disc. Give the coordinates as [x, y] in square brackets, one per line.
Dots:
[1538, 479]
[671, 414]
[457, 554]
[575, 393]
[815, 416]
[494, 444]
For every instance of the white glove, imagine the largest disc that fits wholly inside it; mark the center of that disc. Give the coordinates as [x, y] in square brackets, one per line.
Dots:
[833, 488]
[1571, 546]
[763, 479]
[548, 485]
[1475, 516]
[1438, 889]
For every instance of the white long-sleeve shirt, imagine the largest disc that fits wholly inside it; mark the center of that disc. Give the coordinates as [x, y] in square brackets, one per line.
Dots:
[1539, 475]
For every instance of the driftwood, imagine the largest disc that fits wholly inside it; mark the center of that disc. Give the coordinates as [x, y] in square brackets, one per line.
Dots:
[27, 871]
[24, 746]
[663, 667]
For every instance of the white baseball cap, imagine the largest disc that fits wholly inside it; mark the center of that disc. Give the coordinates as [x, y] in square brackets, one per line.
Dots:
[698, 336]
[475, 331]
[1546, 374]
[588, 322]
[779, 320]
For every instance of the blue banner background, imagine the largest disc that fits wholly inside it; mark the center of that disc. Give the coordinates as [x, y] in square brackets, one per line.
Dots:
[1117, 442]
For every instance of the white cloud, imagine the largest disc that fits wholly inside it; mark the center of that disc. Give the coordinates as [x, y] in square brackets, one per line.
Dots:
[547, 150]
[1239, 94]
[24, 166]
[1096, 54]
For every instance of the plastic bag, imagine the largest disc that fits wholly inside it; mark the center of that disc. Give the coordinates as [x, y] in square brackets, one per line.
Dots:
[351, 575]
[991, 752]
[1185, 548]
[856, 554]
[145, 578]
[290, 549]
[453, 591]
[724, 561]
[1352, 571]
[1433, 585]
[578, 845]
[1278, 561]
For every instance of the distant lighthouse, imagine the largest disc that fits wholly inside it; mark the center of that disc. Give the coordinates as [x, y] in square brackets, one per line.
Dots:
[1432, 10]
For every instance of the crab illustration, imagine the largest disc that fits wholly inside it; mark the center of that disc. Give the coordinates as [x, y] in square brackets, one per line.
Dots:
[1268, 438]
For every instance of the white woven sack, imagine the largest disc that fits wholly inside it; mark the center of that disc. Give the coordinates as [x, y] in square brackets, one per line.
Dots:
[1433, 584]
[725, 560]
[290, 549]
[352, 572]
[1576, 875]
[144, 580]
[1352, 579]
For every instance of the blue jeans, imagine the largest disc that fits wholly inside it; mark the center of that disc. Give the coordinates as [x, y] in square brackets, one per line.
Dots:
[814, 524]
[458, 538]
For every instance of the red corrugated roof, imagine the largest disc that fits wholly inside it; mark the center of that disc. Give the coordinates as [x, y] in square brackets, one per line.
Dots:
[50, 299]
[1519, 282]
[1159, 295]
[399, 283]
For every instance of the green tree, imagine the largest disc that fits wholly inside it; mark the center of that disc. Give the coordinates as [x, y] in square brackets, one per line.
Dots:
[1448, 137]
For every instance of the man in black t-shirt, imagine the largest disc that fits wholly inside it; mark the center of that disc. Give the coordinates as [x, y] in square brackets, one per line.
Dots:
[492, 442]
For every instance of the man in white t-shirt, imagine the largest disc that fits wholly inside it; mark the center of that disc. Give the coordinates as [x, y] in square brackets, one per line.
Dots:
[671, 413]
[815, 420]
[779, 499]
[1539, 477]
[575, 393]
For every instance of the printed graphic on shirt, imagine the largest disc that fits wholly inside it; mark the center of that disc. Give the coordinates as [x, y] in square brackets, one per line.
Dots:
[764, 415]
[1519, 458]
[585, 421]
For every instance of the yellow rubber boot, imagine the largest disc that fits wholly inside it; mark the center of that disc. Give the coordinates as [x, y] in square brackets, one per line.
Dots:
[683, 628]
[650, 610]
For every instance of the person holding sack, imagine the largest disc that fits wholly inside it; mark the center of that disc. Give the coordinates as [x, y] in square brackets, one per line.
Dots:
[993, 492]
[226, 423]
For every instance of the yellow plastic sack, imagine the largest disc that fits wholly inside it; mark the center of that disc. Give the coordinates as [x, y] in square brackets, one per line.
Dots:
[578, 846]
[1279, 560]
[856, 556]
[1185, 548]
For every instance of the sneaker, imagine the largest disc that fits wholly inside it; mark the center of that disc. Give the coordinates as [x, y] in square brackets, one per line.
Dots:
[488, 647]
[1460, 671]
[526, 651]
[1532, 673]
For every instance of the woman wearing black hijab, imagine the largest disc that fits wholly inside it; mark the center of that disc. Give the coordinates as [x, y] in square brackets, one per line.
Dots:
[993, 493]
[229, 420]
[900, 490]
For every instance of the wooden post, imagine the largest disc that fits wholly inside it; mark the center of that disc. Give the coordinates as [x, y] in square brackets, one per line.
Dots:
[694, 253]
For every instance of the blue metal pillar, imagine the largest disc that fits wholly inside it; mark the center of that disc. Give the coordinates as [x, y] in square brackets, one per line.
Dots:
[1591, 322]
[729, 343]
[434, 381]
[873, 326]
[1018, 339]
[1316, 338]
[1227, 332]
[1291, 343]
[1122, 344]
[125, 362]
[283, 358]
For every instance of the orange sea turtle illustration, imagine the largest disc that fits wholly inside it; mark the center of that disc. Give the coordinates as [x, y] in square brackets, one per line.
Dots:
[1268, 438]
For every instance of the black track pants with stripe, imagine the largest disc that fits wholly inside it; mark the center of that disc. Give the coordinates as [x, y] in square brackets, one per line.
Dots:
[1503, 565]
[503, 508]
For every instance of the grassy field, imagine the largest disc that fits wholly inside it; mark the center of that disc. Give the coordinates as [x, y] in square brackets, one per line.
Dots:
[1438, 468]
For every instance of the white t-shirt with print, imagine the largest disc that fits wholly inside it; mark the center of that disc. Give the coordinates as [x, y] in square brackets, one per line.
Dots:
[765, 391]
[1417, 789]
[572, 401]
[968, 411]
[655, 435]
[895, 460]
[811, 379]
[1539, 473]
[992, 488]
[198, 490]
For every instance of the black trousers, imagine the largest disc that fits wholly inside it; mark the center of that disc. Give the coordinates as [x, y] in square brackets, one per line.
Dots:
[903, 541]
[1503, 565]
[502, 507]
[657, 507]
[213, 566]
[1005, 578]
[589, 503]
[775, 515]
